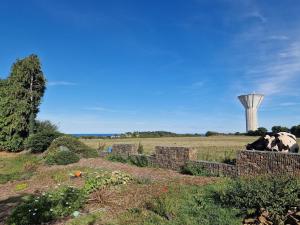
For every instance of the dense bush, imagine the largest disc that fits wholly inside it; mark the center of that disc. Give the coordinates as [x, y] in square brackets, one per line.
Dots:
[195, 170]
[39, 142]
[45, 126]
[62, 157]
[74, 145]
[276, 194]
[295, 130]
[277, 129]
[259, 132]
[116, 158]
[139, 160]
[49, 206]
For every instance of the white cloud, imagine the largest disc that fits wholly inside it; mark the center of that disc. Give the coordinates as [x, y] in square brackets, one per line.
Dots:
[61, 83]
[278, 37]
[256, 15]
[109, 110]
[279, 73]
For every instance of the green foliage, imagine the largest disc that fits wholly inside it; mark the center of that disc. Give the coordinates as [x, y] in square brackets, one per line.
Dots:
[211, 133]
[295, 130]
[277, 194]
[39, 142]
[195, 170]
[155, 134]
[21, 187]
[139, 160]
[21, 96]
[21, 167]
[45, 126]
[99, 180]
[259, 132]
[182, 204]
[140, 149]
[277, 129]
[62, 157]
[49, 206]
[116, 158]
[74, 145]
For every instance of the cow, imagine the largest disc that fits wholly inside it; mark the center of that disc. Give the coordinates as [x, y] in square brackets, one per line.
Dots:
[279, 142]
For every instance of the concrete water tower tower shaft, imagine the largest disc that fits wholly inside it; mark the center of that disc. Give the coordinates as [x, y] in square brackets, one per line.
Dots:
[251, 102]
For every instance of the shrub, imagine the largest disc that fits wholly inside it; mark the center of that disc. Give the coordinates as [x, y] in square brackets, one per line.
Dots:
[195, 170]
[295, 130]
[140, 149]
[74, 145]
[62, 157]
[276, 194]
[259, 132]
[116, 158]
[45, 127]
[39, 142]
[49, 206]
[139, 160]
[100, 180]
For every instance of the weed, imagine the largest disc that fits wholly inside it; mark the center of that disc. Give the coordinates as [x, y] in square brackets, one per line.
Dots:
[21, 187]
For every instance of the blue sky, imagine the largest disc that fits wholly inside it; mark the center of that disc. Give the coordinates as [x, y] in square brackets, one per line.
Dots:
[175, 65]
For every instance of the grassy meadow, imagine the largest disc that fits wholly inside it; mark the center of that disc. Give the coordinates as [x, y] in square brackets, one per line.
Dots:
[215, 148]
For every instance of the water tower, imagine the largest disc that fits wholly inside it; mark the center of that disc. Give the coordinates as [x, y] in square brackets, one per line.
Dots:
[251, 102]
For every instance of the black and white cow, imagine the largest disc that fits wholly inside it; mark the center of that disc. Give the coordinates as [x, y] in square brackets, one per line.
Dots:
[279, 142]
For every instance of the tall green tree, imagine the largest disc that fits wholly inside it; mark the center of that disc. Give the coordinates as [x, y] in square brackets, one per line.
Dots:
[23, 93]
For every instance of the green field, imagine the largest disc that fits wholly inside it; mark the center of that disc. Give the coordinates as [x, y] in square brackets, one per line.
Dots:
[215, 148]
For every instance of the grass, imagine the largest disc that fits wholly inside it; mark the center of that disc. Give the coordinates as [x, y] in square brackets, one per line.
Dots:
[181, 204]
[215, 148]
[17, 168]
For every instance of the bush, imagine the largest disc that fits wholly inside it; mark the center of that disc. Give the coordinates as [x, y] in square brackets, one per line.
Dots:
[62, 157]
[45, 127]
[98, 181]
[139, 160]
[39, 142]
[116, 158]
[277, 129]
[259, 132]
[276, 194]
[140, 149]
[49, 206]
[74, 145]
[295, 130]
[195, 170]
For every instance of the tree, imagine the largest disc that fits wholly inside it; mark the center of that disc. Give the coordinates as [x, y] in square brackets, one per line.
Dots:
[277, 129]
[22, 94]
[259, 132]
[295, 130]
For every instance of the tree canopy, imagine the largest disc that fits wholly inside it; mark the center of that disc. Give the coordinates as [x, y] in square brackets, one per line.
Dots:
[21, 94]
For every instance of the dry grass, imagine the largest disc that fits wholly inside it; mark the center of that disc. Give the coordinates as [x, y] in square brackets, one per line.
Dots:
[216, 148]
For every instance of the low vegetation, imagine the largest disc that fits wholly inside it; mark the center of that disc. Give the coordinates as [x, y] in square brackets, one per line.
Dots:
[18, 167]
[274, 197]
[66, 149]
[64, 201]
[137, 160]
[195, 170]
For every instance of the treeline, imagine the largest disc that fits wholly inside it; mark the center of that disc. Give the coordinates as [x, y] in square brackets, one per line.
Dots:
[260, 131]
[155, 134]
[20, 96]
